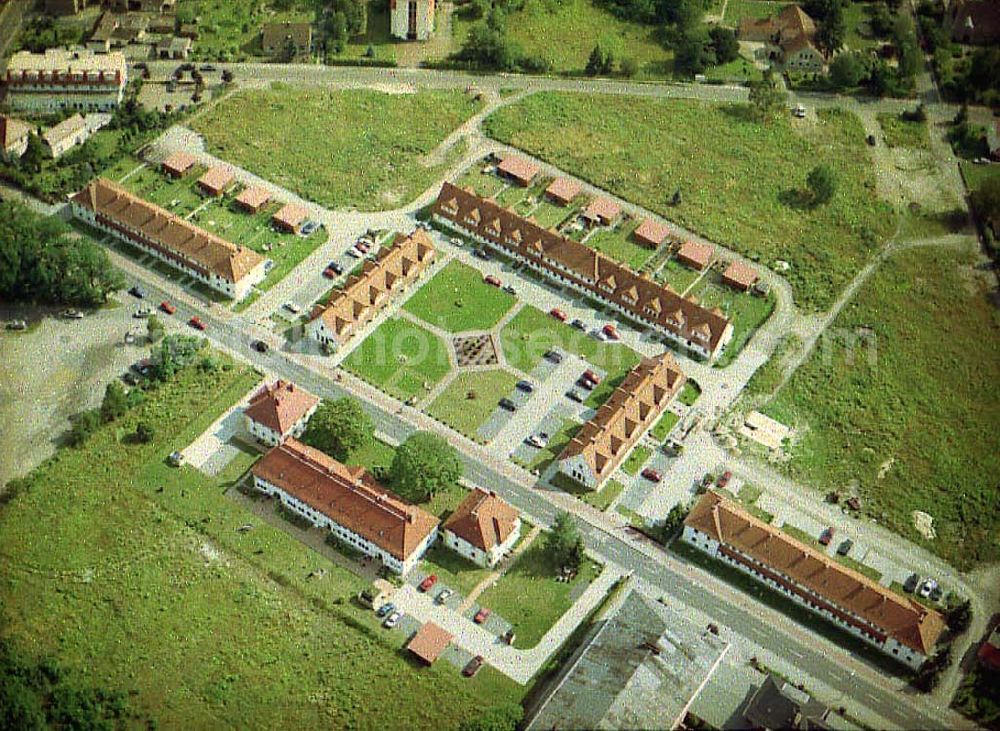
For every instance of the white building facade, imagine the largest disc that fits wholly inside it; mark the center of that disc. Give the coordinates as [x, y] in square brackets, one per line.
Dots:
[59, 79]
[487, 558]
[411, 20]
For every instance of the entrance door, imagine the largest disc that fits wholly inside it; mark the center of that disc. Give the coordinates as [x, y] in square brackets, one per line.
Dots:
[411, 13]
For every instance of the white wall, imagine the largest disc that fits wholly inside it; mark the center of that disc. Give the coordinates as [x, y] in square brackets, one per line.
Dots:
[399, 19]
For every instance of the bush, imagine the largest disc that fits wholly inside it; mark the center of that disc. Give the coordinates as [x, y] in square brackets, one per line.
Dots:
[143, 433]
[83, 425]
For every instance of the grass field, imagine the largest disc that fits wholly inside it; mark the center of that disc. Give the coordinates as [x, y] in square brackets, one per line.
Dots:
[739, 180]
[453, 570]
[457, 299]
[902, 133]
[746, 311]
[401, 358]
[348, 148]
[912, 420]
[531, 332]
[736, 10]
[636, 459]
[146, 586]
[528, 595]
[617, 244]
[454, 407]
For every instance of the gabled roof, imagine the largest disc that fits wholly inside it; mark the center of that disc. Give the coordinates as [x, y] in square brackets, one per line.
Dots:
[652, 231]
[483, 520]
[12, 132]
[603, 208]
[909, 623]
[348, 496]
[280, 406]
[216, 178]
[208, 252]
[739, 273]
[253, 197]
[518, 168]
[429, 642]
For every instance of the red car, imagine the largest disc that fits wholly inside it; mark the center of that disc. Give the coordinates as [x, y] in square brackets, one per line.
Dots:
[196, 323]
[592, 377]
[363, 247]
[427, 583]
[652, 475]
[826, 536]
[610, 331]
[329, 273]
[167, 307]
[724, 478]
[473, 666]
[558, 314]
[490, 279]
[482, 615]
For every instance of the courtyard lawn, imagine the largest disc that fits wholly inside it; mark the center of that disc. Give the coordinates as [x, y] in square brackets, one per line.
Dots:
[899, 132]
[550, 215]
[457, 299]
[486, 185]
[529, 597]
[566, 32]
[689, 393]
[740, 180]
[148, 571]
[602, 499]
[747, 312]
[179, 196]
[911, 420]
[311, 141]
[454, 407]
[678, 276]
[374, 454]
[452, 570]
[663, 426]
[617, 244]
[636, 459]
[401, 358]
[531, 332]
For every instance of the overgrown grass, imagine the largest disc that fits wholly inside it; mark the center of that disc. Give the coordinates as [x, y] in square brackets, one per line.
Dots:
[740, 180]
[457, 299]
[229, 30]
[921, 406]
[348, 148]
[142, 568]
[465, 415]
[899, 132]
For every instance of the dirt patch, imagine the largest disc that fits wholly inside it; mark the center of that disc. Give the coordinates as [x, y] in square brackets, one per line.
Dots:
[924, 524]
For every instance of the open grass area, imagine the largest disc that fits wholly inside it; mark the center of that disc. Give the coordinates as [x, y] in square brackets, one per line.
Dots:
[457, 299]
[636, 459]
[911, 418]
[543, 457]
[453, 570]
[740, 180]
[177, 195]
[147, 571]
[746, 311]
[467, 402]
[617, 244]
[663, 426]
[899, 132]
[603, 498]
[348, 148]
[486, 185]
[229, 30]
[736, 10]
[677, 275]
[531, 332]
[401, 358]
[528, 595]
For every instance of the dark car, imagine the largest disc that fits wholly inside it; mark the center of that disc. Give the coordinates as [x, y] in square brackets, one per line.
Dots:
[910, 585]
[578, 324]
[472, 667]
[525, 386]
[826, 536]
[554, 356]
[260, 346]
[482, 254]
[506, 403]
[509, 290]
[336, 267]
[208, 67]
[845, 547]
[574, 395]
[724, 478]
[137, 291]
[384, 609]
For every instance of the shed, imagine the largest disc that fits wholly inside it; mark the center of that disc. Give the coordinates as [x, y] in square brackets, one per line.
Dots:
[178, 164]
[253, 198]
[602, 211]
[216, 180]
[290, 218]
[695, 255]
[518, 170]
[740, 276]
[562, 191]
[651, 233]
[429, 642]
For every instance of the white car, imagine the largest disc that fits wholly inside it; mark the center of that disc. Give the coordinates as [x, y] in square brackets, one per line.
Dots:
[72, 314]
[535, 441]
[292, 307]
[456, 241]
[392, 620]
[927, 587]
[444, 596]
[354, 253]
[143, 312]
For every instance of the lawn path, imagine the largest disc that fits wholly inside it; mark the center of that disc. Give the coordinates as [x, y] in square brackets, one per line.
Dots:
[499, 571]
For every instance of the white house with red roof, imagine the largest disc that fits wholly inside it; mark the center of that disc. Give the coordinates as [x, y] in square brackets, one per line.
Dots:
[483, 528]
[279, 411]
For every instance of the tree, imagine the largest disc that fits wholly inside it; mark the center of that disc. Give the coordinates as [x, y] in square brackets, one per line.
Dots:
[905, 40]
[154, 329]
[83, 425]
[847, 70]
[143, 432]
[563, 543]
[424, 465]
[115, 403]
[986, 199]
[724, 43]
[339, 428]
[880, 20]
[766, 99]
[34, 154]
[601, 62]
[832, 29]
[692, 53]
[495, 718]
[821, 183]
[959, 616]
[227, 76]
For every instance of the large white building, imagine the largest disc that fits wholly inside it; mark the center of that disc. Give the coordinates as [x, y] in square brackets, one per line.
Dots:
[411, 20]
[348, 502]
[59, 79]
[279, 411]
[225, 267]
[483, 528]
[73, 131]
[896, 625]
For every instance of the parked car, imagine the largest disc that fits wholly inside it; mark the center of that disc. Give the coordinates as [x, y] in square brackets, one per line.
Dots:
[927, 588]
[558, 314]
[363, 246]
[292, 307]
[472, 667]
[578, 324]
[554, 356]
[506, 403]
[845, 547]
[392, 620]
[482, 615]
[455, 241]
[196, 323]
[17, 325]
[870, 139]
[143, 367]
[309, 227]
[574, 395]
[534, 441]
[508, 637]
[591, 376]
[799, 111]
[142, 312]
[72, 314]
[167, 307]
[911, 583]
[509, 290]
[611, 332]
[826, 536]
[525, 386]
[176, 459]
[444, 596]
[724, 478]
[428, 582]
[492, 280]
[482, 254]
[329, 273]
[208, 67]
[584, 383]
[354, 253]
[652, 475]
[385, 609]
[137, 292]
[260, 346]
[936, 593]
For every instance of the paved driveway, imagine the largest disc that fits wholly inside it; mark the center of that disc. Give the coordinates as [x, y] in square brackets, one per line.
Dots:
[213, 450]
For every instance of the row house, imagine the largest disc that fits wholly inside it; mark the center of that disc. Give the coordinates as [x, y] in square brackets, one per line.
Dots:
[59, 79]
[279, 411]
[348, 502]
[604, 442]
[483, 528]
[701, 332]
[225, 267]
[73, 131]
[14, 134]
[366, 293]
[896, 625]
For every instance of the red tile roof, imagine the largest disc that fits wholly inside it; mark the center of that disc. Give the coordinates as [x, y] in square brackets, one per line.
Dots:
[349, 496]
[196, 247]
[216, 179]
[290, 215]
[740, 275]
[253, 197]
[429, 642]
[696, 254]
[483, 519]
[280, 406]
[884, 611]
[518, 168]
[563, 190]
[179, 162]
[602, 209]
[652, 233]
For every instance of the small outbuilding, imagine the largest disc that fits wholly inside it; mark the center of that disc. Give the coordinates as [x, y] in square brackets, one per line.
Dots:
[651, 233]
[517, 170]
[290, 218]
[178, 164]
[216, 181]
[562, 191]
[252, 198]
[429, 642]
[602, 211]
[740, 276]
[695, 255]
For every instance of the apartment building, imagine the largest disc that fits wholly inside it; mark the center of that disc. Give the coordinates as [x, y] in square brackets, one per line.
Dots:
[483, 528]
[604, 442]
[699, 331]
[278, 411]
[60, 79]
